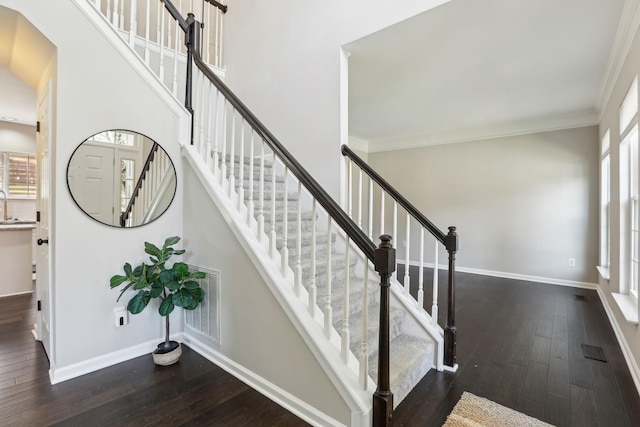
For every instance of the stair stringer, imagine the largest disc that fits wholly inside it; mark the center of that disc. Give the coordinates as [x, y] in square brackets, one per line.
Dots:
[344, 376]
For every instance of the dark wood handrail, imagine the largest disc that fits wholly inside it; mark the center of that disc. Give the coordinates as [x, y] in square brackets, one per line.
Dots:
[222, 7]
[413, 211]
[333, 209]
[136, 190]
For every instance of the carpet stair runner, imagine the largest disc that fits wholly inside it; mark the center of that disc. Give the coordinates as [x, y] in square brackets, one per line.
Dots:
[411, 357]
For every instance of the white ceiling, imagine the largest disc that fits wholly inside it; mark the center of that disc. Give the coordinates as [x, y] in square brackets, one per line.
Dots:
[24, 54]
[471, 69]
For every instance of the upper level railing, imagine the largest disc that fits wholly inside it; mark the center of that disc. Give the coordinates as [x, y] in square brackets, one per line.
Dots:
[365, 193]
[148, 29]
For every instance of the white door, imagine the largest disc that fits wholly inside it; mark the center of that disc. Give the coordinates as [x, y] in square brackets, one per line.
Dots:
[43, 205]
[91, 181]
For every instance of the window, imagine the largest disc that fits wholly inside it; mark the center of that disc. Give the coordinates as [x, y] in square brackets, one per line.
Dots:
[629, 209]
[605, 201]
[18, 175]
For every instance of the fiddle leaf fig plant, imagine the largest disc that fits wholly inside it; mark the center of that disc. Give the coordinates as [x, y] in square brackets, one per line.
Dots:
[176, 286]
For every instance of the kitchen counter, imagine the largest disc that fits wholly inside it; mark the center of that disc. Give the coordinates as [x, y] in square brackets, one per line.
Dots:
[16, 257]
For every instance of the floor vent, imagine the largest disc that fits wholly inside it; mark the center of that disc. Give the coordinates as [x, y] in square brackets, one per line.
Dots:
[593, 352]
[581, 298]
[206, 317]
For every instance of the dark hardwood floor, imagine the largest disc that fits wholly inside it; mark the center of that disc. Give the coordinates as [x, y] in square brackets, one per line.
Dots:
[519, 344]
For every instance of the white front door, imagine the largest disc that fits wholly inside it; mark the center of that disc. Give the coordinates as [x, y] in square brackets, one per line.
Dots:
[43, 206]
[91, 182]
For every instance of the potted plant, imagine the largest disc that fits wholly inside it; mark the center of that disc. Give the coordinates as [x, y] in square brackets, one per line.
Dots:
[174, 285]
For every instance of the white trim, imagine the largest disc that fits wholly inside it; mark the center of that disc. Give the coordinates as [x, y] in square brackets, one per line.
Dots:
[554, 123]
[343, 376]
[506, 275]
[627, 28]
[65, 373]
[263, 386]
[628, 305]
[634, 370]
[358, 144]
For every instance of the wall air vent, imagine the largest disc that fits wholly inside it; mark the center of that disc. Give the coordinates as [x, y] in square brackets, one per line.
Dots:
[205, 319]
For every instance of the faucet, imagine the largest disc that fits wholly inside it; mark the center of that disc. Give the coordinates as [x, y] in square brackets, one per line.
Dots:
[4, 209]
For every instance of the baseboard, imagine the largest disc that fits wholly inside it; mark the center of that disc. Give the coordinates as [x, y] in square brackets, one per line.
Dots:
[58, 375]
[263, 386]
[624, 345]
[505, 275]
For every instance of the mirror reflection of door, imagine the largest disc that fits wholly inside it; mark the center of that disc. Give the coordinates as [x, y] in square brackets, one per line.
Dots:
[121, 178]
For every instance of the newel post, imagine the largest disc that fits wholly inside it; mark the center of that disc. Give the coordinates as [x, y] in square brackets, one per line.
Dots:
[385, 265]
[451, 243]
[192, 41]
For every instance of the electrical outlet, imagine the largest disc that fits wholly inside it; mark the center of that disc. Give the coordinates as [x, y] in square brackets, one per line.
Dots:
[572, 262]
[121, 317]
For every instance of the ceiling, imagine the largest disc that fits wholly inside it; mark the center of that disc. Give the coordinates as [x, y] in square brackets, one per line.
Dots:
[465, 70]
[24, 55]
[473, 69]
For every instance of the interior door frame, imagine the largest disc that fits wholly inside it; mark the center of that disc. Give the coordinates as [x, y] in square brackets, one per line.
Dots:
[44, 281]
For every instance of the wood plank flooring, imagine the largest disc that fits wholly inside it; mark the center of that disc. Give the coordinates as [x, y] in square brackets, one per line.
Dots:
[519, 344]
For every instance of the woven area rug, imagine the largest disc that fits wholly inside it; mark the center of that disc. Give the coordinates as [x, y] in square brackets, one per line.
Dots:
[474, 411]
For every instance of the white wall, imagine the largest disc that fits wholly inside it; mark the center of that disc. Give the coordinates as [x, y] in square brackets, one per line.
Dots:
[255, 331]
[523, 205]
[95, 90]
[629, 332]
[284, 61]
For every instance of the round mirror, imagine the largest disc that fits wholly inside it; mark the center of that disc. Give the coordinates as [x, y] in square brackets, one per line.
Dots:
[121, 178]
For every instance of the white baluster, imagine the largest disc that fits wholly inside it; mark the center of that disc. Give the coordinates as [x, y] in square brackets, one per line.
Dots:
[364, 359]
[176, 49]
[223, 142]
[133, 28]
[219, 60]
[370, 209]
[421, 271]
[216, 140]
[272, 236]
[107, 12]
[211, 110]
[146, 33]
[120, 25]
[349, 188]
[345, 334]
[434, 305]
[312, 284]
[207, 35]
[395, 235]
[161, 43]
[328, 308]
[360, 199]
[115, 17]
[407, 243]
[285, 234]
[98, 4]
[232, 162]
[250, 203]
[241, 172]
[298, 267]
[382, 193]
[261, 230]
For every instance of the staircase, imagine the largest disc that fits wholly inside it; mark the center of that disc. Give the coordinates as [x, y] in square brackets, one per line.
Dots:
[411, 356]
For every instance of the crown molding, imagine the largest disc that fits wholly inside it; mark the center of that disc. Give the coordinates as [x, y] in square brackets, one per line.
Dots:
[548, 124]
[625, 34]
